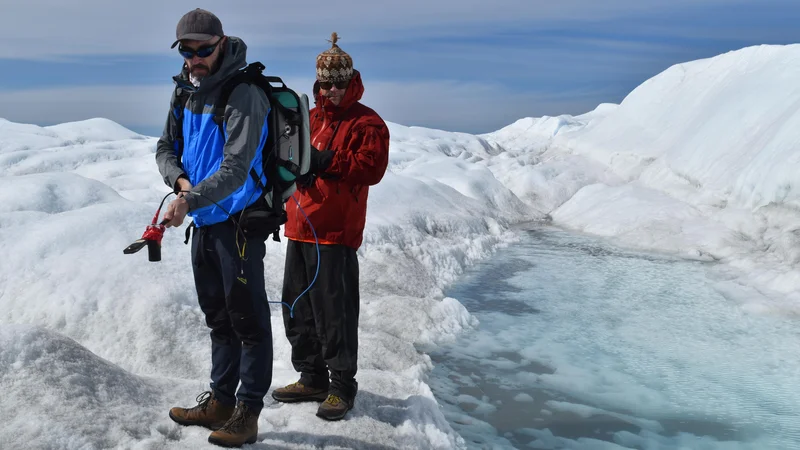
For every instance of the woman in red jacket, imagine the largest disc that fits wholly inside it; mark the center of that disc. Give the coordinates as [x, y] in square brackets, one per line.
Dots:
[353, 143]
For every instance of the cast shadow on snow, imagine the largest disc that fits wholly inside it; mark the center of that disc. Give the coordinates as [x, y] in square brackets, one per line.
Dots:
[393, 412]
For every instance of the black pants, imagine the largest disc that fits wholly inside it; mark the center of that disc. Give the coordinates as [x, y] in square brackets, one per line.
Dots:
[324, 330]
[233, 298]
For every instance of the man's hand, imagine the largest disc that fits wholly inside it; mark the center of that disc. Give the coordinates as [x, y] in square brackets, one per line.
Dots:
[176, 212]
[181, 185]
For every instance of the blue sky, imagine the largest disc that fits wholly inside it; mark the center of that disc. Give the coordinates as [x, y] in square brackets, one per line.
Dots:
[468, 65]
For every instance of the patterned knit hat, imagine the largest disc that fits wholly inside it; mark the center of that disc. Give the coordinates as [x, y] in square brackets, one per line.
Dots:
[334, 64]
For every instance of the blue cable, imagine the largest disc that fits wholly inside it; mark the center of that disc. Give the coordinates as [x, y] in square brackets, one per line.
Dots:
[316, 242]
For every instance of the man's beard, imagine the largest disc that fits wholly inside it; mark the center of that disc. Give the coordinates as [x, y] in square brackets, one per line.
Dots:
[196, 78]
[201, 75]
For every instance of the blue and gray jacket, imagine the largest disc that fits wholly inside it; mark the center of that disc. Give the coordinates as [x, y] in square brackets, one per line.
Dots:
[217, 163]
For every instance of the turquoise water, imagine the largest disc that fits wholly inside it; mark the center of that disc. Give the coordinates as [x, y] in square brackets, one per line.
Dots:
[582, 345]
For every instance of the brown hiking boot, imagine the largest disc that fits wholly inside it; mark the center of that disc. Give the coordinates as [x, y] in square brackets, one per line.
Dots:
[334, 408]
[297, 392]
[209, 412]
[240, 429]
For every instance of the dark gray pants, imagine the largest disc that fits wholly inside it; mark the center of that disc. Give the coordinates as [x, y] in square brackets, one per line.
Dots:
[324, 330]
[233, 298]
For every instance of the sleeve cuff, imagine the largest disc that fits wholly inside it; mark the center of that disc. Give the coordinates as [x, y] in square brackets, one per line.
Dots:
[173, 178]
[192, 200]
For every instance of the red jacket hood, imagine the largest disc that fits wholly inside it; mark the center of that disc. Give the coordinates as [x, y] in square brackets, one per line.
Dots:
[354, 92]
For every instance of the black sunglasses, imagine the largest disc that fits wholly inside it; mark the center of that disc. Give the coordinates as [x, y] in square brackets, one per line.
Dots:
[327, 85]
[202, 52]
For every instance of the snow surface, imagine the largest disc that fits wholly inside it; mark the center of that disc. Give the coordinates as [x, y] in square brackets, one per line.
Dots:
[96, 346]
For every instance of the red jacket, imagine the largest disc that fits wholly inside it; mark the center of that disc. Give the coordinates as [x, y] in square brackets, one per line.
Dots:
[337, 205]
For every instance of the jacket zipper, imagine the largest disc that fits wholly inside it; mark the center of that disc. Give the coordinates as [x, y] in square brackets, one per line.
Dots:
[322, 129]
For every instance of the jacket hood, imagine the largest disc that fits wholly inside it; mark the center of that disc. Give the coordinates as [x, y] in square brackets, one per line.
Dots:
[354, 93]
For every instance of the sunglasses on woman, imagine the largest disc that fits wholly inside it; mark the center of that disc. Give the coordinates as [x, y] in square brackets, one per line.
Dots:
[327, 85]
[202, 52]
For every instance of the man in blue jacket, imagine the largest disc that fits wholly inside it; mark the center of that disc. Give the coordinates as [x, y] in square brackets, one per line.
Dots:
[210, 166]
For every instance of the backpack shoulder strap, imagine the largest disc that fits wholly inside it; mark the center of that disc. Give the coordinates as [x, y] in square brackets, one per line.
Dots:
[249, 74]
[178, 105]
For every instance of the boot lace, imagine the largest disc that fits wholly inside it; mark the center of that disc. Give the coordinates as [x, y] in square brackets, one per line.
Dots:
[238, 419]
[203, 400]
[333, 400]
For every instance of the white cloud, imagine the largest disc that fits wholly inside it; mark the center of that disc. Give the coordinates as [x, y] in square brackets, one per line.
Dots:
[52, 28]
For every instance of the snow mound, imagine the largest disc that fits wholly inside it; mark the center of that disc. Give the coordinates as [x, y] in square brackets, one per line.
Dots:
[94, 130]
